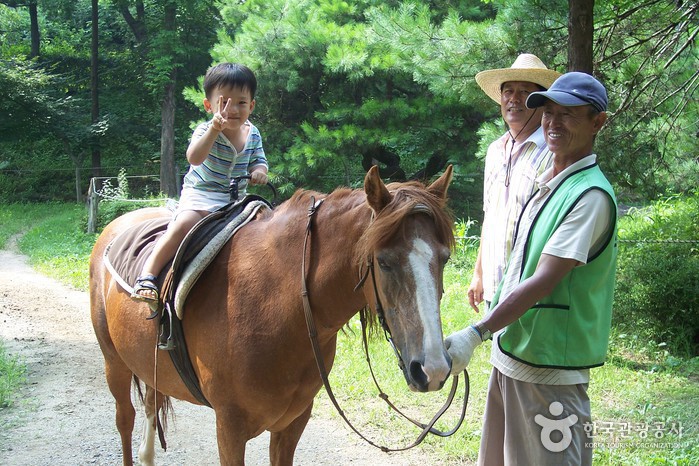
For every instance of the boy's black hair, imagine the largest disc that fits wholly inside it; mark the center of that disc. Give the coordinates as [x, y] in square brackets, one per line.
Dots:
[229, 75]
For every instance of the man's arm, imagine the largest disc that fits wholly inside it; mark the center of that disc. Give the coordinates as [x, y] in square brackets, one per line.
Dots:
[549, 272]
[475, 290]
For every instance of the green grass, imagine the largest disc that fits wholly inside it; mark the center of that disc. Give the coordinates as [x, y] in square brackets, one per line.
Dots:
[53, 237]
[12, 372]
[641, 383]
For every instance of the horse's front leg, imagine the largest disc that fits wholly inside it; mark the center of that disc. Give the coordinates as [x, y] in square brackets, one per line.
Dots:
[232, 436]
[282, 444]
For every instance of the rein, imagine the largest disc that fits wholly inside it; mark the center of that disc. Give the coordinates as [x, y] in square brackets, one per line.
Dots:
[313, 336]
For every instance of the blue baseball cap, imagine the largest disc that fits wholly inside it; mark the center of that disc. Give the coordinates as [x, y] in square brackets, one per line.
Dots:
[571, 90]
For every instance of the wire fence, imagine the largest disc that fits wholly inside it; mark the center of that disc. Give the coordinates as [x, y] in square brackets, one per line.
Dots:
[668, 241]
[626, 241]
[135, 189]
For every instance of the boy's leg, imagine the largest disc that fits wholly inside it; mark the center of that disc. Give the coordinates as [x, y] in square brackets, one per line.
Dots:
[166, 247]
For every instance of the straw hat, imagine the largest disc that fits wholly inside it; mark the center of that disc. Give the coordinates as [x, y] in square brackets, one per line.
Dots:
[527, 67]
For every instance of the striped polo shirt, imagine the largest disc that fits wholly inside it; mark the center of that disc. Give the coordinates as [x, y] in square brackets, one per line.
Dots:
[507, 186]
[224, 162]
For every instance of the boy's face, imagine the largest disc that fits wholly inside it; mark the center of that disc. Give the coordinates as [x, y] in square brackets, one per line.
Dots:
[234, 103]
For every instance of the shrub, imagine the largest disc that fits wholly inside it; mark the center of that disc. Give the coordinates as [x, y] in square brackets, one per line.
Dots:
[657, 290]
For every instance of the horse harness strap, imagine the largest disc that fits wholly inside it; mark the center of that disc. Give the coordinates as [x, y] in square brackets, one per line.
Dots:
[313, 336]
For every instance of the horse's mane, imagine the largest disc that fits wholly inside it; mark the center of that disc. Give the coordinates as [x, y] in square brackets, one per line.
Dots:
[302, 196]
[408, 199]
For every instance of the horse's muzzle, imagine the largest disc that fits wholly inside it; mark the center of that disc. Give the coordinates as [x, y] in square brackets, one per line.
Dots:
[422, 379]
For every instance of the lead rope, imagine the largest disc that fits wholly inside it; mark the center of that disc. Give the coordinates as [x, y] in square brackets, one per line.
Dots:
[313, 336]
[429, 427]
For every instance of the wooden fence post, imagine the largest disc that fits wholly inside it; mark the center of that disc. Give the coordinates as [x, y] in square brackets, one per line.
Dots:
[93, 200]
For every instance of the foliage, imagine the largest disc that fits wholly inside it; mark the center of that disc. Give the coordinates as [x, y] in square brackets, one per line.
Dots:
[52, 235]
[657, 291]
[343, 85]
[464, 255]
[335, 97]
[16, 219]
[127, 131]
[649, 143]
[12, 371]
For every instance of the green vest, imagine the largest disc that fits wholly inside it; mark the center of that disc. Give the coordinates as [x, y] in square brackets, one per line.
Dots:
[569, 329]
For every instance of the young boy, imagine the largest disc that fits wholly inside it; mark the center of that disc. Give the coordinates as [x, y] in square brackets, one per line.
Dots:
[225, 147]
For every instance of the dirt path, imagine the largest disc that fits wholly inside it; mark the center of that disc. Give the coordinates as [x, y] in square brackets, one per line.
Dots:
[64, 416]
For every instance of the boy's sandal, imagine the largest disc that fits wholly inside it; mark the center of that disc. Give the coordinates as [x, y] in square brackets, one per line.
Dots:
[146, 283]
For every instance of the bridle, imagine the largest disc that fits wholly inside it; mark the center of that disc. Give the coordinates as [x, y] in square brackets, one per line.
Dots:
[313, 336]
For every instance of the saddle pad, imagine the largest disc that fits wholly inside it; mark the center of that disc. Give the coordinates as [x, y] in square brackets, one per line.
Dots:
[125, 255]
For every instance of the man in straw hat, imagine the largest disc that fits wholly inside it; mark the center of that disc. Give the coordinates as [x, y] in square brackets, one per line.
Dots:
[512, 163]
[551, 316]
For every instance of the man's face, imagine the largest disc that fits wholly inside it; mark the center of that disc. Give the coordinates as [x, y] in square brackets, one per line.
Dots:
[512, 106]
[570, 131]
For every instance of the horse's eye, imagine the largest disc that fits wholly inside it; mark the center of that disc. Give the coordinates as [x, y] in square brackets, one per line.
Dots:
[383, 265]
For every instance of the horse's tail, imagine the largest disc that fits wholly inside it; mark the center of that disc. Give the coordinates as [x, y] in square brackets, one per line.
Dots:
[161, 420]
[137, 385]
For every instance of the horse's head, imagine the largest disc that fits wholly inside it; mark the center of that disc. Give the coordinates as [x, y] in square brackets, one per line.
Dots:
[407, 246]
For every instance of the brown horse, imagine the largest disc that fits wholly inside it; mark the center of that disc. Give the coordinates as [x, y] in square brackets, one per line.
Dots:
[244, 320]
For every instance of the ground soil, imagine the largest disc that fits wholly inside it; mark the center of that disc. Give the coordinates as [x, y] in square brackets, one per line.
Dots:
[64, 415]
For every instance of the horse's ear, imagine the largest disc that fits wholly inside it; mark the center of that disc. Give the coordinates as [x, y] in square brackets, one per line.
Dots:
[377, 196]
[440, 186]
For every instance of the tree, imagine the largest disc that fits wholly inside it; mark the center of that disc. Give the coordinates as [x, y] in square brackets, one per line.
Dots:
[34, 22]
[94, 86]
[343, 85]
[580, 35]
[336, 98]
[643, 53]
[173, 39]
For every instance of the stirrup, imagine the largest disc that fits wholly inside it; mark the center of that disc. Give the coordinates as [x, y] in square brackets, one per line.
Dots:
[166, 343]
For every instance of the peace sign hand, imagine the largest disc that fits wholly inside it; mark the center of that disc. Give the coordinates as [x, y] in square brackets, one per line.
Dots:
[221, 117]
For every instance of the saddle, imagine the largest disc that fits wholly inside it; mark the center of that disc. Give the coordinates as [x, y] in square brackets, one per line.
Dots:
[125, 255]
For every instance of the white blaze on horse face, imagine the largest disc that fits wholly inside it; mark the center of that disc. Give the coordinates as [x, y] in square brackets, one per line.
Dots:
[435, 366]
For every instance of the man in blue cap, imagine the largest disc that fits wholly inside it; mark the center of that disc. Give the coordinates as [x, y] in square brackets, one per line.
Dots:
[551, 315]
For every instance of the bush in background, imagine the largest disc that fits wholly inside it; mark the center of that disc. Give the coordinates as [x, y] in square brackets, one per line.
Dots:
[657, 289]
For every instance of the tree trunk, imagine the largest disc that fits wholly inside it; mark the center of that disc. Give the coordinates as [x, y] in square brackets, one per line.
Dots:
[94, 73]
[34, 29]
[168, 176]
[580, 29]
[168, 181]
